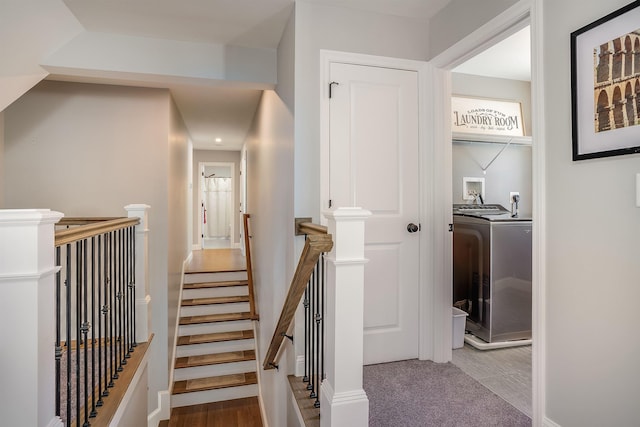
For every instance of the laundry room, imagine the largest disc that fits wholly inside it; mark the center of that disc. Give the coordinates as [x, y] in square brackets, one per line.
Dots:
[492, 206]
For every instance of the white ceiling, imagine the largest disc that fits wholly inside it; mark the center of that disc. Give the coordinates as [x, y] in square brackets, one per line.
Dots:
[508, 59]
[212, 112]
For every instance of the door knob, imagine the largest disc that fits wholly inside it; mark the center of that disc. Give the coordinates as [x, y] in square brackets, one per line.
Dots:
[412, 228]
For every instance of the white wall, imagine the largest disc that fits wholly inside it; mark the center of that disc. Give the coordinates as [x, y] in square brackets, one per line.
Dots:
[327, 27]
[74, 148]
[460, 18]
[200, 156]
[591, 306]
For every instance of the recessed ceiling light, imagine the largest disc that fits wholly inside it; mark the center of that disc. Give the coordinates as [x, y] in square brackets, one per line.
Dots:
[218, 139]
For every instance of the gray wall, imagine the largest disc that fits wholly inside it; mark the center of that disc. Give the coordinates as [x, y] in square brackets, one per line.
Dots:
[459, 19]
[74, 148]
[216, 156]
[592, 253]
[327, 27]
[511, 171]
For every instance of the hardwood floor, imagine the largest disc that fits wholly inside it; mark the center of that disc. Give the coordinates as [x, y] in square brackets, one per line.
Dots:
[231, 413]
[208, 260]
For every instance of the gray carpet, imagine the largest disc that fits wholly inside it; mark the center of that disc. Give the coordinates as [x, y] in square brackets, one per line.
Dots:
[416, 393]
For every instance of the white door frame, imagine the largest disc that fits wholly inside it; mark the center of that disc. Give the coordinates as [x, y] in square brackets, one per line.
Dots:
[525, 11]
[234, 215]
[431, 254]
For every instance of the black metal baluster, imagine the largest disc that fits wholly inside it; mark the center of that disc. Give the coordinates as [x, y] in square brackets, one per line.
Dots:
[58, 349]
[67, 282]
[100, 322]
[306, 334]
[93, 328]
[133, 282]
[312, 337]
[318, 318]
[127, 296]
[78, 325]
[123, 302]
[130, 287]
[323, 294]
[113, 312]
[105, 314]
[85, 331]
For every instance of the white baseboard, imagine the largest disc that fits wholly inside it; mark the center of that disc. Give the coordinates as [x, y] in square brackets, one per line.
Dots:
[55, 422]
[546, 422]
[265, 420]
[163, 412]
[300, 361]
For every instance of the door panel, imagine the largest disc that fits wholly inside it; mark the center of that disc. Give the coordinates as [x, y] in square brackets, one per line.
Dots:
[374, 165]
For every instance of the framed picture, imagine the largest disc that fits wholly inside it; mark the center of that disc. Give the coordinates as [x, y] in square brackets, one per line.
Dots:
[486, 116]
[605, 85]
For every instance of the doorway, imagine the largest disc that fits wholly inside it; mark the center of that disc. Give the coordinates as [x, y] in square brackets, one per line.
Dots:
[505, 367]
[216, 194]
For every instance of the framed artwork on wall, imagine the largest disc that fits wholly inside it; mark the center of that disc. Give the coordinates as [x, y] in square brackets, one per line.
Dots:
[605, 85]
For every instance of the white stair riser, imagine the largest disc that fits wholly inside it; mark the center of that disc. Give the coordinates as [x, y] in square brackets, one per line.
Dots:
[199, 310]
[215, 277]
[214, 347]
[226, 291]
[208, 328]
[219, 395]
[214, 370]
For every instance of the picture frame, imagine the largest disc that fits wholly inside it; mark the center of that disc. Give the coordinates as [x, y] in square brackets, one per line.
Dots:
[605, 85]
[483, 116]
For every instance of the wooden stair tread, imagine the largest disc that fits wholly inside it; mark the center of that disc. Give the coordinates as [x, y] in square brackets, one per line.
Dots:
[215, 358]
[215, 337]
[215, 300]
[212, 318]
[213, 383]
[205, 285]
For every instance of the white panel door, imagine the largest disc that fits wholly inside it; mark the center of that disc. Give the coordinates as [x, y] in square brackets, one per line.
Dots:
[373, 157]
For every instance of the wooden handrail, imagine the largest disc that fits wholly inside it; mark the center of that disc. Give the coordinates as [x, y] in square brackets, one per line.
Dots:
[247, 253]
[92, 228]
[310, 228]
[314, 246]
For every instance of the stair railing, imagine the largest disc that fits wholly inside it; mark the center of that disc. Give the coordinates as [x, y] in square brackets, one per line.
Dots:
[306, 282]
[247, 252]
[95, 312]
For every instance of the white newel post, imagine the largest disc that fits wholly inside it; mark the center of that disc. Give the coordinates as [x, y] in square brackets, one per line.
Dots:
[27, 316]
[343, 401]
[143, 299]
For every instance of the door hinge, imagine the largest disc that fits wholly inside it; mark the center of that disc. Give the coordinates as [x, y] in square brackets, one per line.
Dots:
[330, 203]
[331, 88]
[450, 227]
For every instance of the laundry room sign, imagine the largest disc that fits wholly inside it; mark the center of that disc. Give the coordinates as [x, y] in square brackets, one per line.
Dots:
[486, 116]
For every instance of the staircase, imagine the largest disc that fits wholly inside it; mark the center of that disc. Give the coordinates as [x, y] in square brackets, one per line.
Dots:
[215, 353]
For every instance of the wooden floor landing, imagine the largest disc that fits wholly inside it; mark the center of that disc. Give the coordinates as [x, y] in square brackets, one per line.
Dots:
[216, 260]
[231, 413]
